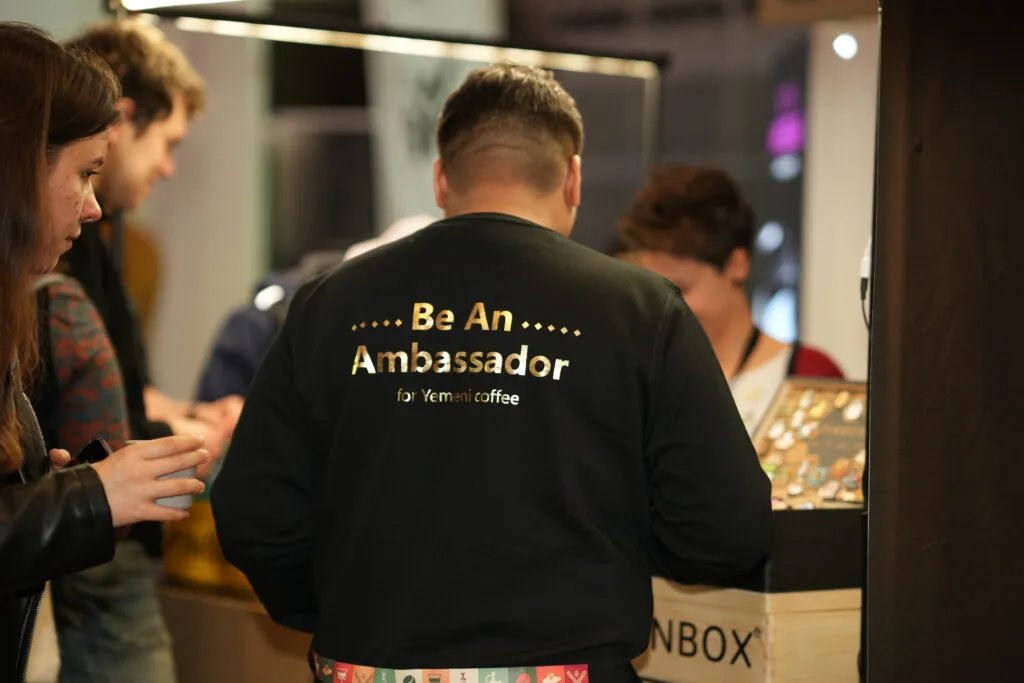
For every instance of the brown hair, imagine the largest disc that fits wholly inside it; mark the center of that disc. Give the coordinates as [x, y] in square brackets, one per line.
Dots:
[49, 97]
[689, 211]
[152, 70]
[520, 112]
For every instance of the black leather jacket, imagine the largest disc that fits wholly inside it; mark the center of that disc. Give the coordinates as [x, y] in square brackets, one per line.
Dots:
[50, 525]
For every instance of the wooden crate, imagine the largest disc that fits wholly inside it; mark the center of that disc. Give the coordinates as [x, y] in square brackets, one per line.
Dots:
[225, 639]
[728, 635]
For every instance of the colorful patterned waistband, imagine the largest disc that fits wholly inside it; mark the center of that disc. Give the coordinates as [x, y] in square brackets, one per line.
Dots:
[330, 671]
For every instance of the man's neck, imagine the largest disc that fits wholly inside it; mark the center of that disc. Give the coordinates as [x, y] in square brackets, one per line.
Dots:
[521, 205]
[731, 340]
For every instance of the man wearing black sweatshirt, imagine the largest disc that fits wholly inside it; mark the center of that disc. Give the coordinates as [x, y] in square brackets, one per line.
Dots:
[465, 449]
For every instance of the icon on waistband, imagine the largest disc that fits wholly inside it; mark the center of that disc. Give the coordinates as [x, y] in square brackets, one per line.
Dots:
[576, 676]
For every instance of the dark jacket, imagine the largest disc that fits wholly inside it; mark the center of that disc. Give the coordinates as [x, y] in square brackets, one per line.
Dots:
[50, 525]
[247, 332]
[463, 448]
[243, 340]
[91, 264]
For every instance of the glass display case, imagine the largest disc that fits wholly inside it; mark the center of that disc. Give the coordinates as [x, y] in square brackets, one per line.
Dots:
[812, 444]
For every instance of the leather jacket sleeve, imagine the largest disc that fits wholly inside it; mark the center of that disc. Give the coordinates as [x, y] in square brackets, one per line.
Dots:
[57, 525]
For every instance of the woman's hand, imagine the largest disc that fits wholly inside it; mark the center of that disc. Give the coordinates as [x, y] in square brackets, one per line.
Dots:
[59, 459]
[131, 481]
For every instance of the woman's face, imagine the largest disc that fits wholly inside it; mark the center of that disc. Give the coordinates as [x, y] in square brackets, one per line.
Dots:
[70, 198]
[709, 292]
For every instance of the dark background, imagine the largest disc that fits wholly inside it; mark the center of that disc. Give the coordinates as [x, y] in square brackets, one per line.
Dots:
[719, 97]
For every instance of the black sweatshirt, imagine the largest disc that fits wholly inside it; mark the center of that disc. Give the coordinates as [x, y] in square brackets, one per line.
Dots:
[463, 448]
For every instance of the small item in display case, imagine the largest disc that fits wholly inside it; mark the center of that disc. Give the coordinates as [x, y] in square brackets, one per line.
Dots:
[812, 444]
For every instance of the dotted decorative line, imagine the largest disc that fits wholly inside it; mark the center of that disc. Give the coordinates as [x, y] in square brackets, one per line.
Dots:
[550, 328]
[525, 324]
[375, 324]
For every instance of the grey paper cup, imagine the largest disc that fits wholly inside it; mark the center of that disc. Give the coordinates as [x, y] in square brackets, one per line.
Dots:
[183, 502]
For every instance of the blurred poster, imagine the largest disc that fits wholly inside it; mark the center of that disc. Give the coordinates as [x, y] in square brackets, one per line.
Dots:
[406, 94]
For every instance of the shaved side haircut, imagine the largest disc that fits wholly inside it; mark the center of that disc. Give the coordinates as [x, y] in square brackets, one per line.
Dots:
[509, 123]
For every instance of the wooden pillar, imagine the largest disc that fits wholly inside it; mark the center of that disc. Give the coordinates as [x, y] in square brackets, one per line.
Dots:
[946, 518]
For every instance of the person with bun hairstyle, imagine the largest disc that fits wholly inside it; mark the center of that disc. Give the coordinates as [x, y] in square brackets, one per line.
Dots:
[691, 225]
[56, 108]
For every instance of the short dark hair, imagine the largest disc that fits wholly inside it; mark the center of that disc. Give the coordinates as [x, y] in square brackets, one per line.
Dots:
[689, 211]
[518, 112]
[152, 70]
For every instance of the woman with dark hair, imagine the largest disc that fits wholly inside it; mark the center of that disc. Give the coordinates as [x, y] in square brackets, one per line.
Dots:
[55, 108]
[691, 225]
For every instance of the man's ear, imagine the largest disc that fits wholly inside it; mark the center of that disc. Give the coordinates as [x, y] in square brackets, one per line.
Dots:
[737, 268]
[574, 182]
[124, 125]
[440, 185]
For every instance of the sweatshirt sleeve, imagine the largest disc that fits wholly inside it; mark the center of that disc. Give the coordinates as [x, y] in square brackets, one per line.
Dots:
[711, 500]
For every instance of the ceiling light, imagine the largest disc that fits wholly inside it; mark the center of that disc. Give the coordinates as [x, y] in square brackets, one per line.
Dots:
[142, 5]
[423, 47]
[845, 46]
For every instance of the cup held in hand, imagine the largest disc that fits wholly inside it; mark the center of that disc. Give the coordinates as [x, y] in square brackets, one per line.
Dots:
[182, 502]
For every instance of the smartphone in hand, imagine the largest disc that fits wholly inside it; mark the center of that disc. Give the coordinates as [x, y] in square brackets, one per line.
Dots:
[96, 451]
